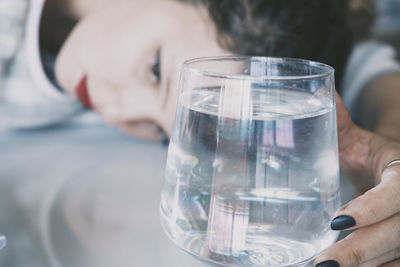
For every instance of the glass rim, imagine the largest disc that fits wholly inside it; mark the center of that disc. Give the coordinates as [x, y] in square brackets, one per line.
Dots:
[326, 69]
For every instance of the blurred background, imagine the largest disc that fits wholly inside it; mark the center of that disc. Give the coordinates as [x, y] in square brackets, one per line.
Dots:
[387, 25]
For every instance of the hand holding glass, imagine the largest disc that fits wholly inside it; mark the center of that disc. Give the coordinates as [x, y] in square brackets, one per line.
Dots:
[252, 176]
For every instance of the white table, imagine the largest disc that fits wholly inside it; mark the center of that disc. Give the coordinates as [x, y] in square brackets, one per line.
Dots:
[83, 197]
[73, 196]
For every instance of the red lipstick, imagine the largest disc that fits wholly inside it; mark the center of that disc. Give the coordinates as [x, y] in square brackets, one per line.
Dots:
[82, 93]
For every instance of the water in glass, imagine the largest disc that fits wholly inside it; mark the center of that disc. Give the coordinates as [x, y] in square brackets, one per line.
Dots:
[252, 176]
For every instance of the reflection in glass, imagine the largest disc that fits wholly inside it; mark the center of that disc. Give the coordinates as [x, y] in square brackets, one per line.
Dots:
[252, 169]
[3, 241]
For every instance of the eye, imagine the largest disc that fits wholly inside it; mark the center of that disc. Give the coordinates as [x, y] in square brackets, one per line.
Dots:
[155, 68]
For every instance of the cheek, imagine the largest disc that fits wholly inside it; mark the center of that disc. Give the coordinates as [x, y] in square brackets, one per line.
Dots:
[103, 96]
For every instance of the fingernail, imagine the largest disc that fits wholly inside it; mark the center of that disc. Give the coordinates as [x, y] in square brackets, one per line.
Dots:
[81, 92]
[330, 263]
[342, 222]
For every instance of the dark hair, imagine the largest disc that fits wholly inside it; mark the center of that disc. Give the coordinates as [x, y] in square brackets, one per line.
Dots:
[311, 29]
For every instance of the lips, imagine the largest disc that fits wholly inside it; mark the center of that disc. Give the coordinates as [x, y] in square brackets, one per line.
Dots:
[82, 93]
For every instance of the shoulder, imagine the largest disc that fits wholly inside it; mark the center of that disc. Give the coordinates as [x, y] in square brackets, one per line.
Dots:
[13, 14]
[368, 61]
[32, 51]
[28, 98]
[26, 58]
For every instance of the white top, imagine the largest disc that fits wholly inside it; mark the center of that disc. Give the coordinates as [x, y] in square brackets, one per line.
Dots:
[27, 97]
[367, 61]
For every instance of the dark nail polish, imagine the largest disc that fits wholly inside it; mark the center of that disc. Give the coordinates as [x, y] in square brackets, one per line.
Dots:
[342, 222]
[330, 263]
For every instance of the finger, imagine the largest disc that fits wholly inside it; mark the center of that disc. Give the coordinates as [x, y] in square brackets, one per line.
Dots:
[364, 244]
[144, 130]
[375, 205]
[395, 263]
[385, 258]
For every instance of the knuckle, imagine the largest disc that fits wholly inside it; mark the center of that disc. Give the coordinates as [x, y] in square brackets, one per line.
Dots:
[372, 212]
[371, 209]
[351, 253]
[344, 207]
[396, 253]
[395, 226]
[396, 196]
[395, 263]
[356, 255]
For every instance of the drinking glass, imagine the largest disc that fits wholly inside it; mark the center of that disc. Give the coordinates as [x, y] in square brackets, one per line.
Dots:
[252, 176]
[3, 241]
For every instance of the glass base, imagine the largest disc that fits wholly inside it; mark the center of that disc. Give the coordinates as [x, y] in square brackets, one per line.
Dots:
[3, 241]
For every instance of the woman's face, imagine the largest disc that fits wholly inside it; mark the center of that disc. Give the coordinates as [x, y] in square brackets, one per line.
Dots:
[131, 54]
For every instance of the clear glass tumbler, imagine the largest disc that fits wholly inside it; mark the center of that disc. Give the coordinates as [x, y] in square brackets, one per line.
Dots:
[3, 241]
[252, 176]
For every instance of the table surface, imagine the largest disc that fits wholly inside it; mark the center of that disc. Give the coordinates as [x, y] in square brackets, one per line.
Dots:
[82, 197]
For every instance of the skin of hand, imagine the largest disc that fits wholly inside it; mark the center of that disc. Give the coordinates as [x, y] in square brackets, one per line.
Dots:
[130, 55]
[376, 213]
